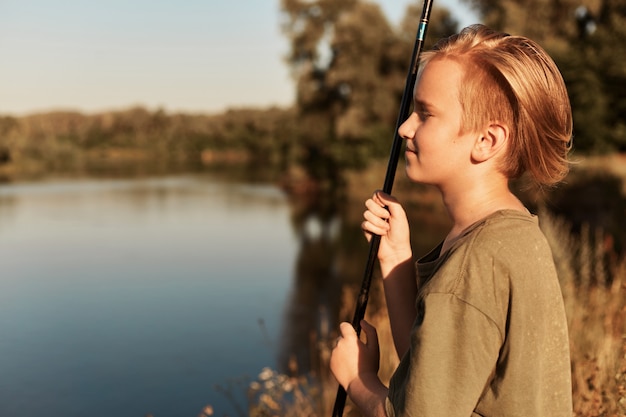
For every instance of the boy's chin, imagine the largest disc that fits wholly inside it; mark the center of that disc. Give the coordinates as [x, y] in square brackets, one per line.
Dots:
[412, 175]
[417, 176]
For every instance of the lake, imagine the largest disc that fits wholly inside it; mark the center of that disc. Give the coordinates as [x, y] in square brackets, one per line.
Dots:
[135, 297]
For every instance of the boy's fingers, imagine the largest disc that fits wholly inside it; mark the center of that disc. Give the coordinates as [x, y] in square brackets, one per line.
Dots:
[375, 221]
[377, 209]
[346, 330]
[388, 203]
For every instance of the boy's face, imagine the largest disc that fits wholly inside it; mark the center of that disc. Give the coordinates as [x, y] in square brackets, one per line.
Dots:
[436, 151]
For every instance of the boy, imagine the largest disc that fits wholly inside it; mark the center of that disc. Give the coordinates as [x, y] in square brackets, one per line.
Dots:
[479, 322]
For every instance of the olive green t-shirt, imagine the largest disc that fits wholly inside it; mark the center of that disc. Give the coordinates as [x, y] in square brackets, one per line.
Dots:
[490, 337]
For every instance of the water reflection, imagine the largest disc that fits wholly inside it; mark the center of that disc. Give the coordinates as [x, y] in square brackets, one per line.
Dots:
[137, 296]
[316, 289]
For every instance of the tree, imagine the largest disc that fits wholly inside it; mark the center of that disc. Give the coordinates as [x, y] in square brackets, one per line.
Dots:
[349, 65]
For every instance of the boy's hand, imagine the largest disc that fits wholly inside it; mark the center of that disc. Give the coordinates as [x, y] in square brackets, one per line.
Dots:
[386, 217]
[353, 359]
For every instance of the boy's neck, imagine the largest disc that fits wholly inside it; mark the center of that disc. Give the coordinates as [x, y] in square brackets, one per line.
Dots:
[470, 205]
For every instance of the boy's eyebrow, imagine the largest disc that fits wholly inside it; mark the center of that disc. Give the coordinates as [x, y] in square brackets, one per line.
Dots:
[422, 104]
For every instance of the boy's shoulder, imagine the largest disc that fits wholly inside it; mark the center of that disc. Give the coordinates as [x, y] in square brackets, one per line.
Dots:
[506, 249]
[507, 237]
[501, 229]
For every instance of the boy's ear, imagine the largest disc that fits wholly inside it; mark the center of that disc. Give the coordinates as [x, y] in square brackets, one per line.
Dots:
[491, 141]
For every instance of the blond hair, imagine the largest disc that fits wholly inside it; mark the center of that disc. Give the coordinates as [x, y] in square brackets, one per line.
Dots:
[512, 80]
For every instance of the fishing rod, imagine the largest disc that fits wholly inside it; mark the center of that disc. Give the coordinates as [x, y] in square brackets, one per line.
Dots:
[396, 148]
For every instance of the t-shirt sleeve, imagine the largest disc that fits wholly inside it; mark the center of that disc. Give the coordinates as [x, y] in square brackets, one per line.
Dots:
[454, 351]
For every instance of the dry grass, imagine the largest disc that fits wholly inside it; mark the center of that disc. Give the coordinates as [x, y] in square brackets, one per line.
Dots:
[594, 288]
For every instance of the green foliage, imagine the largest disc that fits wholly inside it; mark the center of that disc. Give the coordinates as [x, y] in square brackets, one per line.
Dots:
[350, 67]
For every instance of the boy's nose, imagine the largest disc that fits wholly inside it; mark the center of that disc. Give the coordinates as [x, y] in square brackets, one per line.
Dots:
[407, 129]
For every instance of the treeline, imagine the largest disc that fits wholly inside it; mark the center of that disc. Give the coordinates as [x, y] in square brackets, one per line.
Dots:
[268, 138]
[61, 140]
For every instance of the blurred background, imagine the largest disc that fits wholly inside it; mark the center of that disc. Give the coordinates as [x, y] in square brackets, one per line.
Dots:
[181, 187]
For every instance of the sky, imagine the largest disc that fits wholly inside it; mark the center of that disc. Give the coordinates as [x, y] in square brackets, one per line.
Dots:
[200, 56]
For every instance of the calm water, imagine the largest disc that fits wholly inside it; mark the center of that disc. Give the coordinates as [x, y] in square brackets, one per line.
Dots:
[134, 297]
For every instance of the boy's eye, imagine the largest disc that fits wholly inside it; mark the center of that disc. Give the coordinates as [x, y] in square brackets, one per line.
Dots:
[422, 110]
[423, 114]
